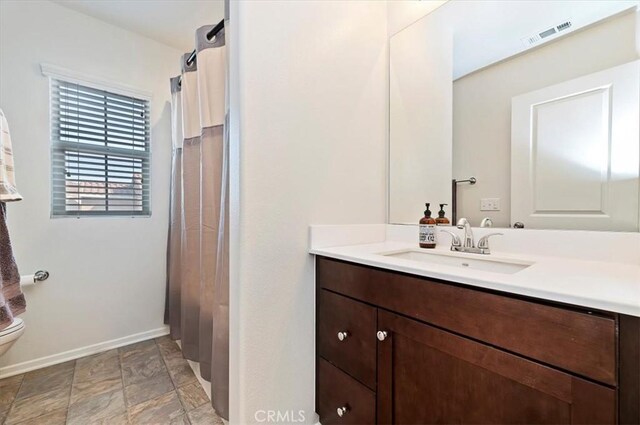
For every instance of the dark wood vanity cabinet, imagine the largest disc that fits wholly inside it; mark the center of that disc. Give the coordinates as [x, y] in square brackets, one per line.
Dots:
[395, 348]
[427, 375]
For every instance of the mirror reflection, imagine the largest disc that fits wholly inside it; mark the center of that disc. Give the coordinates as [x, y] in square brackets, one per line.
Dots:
[535, 102]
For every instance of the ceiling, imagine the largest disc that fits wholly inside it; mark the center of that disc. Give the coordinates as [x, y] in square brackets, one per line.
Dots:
[171, 22]
[486, 32]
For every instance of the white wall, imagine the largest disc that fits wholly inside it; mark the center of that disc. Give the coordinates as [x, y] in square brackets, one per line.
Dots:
[107, 274]
[310, 121]
[482, 106]
[420, 119]
[402, 13]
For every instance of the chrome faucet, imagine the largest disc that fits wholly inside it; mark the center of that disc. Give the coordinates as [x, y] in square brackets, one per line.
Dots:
[468, 244]
[463, 223]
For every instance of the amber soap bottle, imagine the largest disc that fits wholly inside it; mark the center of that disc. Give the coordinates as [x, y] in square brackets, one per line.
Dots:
[441, 220]
[427, 230]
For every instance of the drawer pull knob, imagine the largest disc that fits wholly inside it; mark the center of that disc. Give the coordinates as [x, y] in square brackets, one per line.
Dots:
[382, 335]
[342, 411]
[342, 335]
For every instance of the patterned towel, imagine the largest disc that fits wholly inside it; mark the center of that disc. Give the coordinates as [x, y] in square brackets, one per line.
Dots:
[12, 300]
[8, 191]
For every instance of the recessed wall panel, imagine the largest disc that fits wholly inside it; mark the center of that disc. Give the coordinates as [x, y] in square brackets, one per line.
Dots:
[570, 153]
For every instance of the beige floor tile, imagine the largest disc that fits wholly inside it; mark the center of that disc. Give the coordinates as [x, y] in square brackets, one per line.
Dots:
[11, 380]
[97, 389]
[144, 347]
[40, 381]
[141, 368]
[180, 420]
[160, 410]
[148, 389]
[58, 417]
[180, 371]
[8, 389]
[169, 349]
[51, 370]
[121, 419]
[38, 405]
[87, 389]
[192, 396]
[96, 408]
[204, 415]
[162, 340]
[97, 367]
[97, 374]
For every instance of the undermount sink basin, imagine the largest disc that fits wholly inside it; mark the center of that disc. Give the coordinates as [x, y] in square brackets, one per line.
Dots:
[484, 264]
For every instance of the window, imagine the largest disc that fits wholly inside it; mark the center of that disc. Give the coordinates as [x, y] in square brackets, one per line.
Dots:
[100, 152]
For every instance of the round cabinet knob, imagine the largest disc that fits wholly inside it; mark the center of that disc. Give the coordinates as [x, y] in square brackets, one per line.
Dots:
[382, 335]
[342, 411]
[342, 335]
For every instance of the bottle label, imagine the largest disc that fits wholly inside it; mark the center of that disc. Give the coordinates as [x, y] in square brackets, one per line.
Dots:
[427, 233]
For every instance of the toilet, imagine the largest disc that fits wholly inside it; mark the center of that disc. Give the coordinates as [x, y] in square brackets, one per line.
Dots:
[10, 334]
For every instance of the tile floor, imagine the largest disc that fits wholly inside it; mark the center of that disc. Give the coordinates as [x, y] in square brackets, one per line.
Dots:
[147, 383]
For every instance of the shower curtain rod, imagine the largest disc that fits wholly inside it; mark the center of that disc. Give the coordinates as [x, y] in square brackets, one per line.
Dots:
[210, 35]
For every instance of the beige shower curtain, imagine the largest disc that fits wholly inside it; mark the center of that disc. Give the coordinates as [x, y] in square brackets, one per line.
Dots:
[198, 261]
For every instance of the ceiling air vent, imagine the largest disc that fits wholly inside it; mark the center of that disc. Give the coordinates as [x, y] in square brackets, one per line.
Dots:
[546, 33]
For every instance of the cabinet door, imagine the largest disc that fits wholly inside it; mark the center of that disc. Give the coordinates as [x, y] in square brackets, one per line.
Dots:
[427, 376]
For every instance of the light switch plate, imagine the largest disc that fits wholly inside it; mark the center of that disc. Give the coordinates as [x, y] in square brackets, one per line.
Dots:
[490, 204]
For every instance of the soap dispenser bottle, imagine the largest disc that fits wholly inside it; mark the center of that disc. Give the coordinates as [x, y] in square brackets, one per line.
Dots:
[427, 230]
[441, 220]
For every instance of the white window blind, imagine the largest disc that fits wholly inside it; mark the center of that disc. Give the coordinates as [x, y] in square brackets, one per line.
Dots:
[100, 152]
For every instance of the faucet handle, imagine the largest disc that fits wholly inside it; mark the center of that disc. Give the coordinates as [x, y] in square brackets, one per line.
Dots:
[486, 222]
[483, 243]
[455, 239]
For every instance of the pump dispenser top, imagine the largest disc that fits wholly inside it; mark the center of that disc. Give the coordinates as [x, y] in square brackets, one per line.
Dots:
[427, 212]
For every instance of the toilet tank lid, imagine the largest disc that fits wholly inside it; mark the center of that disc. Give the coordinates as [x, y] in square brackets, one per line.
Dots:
[14, 326]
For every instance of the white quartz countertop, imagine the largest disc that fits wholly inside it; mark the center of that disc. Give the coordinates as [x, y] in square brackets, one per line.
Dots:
[599, 285]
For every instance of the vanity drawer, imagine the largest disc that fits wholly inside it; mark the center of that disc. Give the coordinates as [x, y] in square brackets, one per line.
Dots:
[355, 352]
[338, 390]
[568, 339]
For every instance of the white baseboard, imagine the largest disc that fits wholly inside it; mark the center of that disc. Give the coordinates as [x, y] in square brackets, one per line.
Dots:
[30, 365]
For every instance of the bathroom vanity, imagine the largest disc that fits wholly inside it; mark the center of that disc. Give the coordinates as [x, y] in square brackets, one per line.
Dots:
[394, 347]
[545, 329]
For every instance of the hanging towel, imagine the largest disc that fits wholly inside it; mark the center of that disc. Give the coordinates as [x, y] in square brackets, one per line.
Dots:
[12, 300]
[8, 191]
